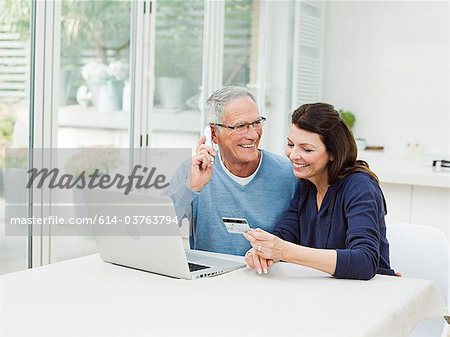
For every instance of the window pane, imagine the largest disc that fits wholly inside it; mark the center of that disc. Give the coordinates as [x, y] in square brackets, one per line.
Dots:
[94, 75]
[94, 92]
[240, 42]
[14, 86]
[178, 73]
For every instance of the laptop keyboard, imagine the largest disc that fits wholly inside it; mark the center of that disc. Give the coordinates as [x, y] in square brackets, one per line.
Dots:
[195, 267]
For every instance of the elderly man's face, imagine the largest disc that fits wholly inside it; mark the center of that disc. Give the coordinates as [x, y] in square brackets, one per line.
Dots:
[239, 148]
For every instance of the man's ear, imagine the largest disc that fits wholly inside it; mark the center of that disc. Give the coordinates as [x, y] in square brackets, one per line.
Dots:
[214, 132]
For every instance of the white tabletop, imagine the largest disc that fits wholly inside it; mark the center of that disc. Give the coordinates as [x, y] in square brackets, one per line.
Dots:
[87, 297]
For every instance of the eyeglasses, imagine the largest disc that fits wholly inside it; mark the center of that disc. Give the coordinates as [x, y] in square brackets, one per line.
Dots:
[244, 127]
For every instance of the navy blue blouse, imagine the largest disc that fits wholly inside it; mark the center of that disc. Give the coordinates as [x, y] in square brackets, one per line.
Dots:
[350, 220]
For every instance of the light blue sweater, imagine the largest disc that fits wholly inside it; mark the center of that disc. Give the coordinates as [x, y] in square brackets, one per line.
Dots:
[262, 202]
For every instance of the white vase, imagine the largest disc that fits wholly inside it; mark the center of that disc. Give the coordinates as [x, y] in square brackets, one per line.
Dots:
[361, 143]
[170, 91]
[110, 97]
[94, 88]
[107, 96]
[126, 99]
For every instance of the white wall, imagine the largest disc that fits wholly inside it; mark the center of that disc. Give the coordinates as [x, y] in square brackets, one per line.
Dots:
[388, 62]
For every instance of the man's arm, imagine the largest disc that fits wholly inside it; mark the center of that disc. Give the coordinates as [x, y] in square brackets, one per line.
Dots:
[189, 179]
[180, 193]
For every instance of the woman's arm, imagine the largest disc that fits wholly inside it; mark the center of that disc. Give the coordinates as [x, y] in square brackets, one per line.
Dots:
[271, 247]
[363, 206]
[322, 259]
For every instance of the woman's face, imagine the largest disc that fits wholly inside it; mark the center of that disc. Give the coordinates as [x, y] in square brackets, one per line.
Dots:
[308, 155]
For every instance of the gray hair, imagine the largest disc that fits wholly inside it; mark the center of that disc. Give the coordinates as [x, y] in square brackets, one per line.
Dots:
[214, 108]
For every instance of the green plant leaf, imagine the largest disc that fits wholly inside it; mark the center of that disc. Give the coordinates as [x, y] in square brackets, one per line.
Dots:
[348, 117]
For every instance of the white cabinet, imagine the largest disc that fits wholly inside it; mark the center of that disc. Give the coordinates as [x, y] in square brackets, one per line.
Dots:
[398, 199]
[422, 205]
[431, 206]
[415, 192]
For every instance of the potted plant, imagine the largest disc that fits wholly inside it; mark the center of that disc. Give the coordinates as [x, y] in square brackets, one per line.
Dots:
[350, 119]
[106, 83]
[16, 176]
[6, 132]
[100, 26]
[169, 79]
[89, 160]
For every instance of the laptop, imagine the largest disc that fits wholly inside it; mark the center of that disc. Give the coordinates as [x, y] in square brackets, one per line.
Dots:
[157, 248]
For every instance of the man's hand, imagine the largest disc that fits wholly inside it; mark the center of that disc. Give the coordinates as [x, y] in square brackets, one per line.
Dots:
[202, 165]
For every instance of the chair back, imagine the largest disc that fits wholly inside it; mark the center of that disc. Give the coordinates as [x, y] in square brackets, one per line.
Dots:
[421, 252]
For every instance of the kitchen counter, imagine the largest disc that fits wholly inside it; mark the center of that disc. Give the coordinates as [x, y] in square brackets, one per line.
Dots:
[411, 169]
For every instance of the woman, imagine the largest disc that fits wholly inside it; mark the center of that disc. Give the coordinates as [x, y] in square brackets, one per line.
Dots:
[335, 222]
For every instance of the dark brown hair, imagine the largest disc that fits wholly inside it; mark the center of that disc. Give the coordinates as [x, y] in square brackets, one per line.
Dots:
[323, 119]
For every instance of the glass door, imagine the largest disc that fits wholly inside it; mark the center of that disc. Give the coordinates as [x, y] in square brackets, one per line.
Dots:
[121, 74]
[240, 52]
[14, 107]
[199, 46]
[94, 88]
[175, 118]
[93, 113]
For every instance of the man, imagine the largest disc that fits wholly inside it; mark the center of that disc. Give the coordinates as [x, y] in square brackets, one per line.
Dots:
[238, 181]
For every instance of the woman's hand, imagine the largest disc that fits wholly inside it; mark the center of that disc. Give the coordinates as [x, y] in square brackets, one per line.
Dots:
[256, 262]
[266, 245]
[270, 247]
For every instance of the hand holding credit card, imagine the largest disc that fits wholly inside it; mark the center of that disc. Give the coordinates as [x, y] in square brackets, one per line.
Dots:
[236, 225]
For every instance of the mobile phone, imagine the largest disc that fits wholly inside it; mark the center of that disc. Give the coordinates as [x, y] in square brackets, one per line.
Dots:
[236, 225]
[208, 135]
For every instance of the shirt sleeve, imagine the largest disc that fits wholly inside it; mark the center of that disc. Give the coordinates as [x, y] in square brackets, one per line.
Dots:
[181, 195]
[287, 228]
[363, 203]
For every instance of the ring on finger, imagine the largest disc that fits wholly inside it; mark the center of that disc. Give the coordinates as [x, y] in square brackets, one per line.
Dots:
[259, 248]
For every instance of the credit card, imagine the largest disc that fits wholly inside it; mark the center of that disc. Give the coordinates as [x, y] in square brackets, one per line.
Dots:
[236, 225]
